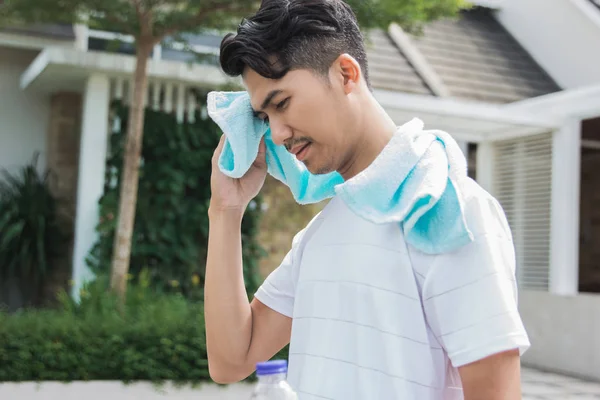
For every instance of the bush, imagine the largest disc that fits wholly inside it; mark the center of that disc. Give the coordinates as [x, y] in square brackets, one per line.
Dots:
[171, 224]
[159, 337]
[33, 236]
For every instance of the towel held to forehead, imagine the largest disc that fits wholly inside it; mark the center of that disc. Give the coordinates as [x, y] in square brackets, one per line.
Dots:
[415, 181]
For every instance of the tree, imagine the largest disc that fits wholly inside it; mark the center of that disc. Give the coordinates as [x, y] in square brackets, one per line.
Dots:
[152, 21]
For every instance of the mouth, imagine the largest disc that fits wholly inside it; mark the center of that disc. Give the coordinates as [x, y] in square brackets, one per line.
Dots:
[301, 151]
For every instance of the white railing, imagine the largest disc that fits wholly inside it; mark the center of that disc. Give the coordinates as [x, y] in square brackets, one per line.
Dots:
[161, 95]
[164, 95]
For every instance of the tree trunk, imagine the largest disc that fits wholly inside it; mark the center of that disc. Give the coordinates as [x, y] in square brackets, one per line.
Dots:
[129, 182]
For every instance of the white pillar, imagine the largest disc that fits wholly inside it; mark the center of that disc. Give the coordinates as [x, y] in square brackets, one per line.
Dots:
[180, 106]
[191, 107]
[90, 181]
[157, 53]
[156, 95]
[485, 166]
[564, 231]
[168, 105]
[81, 36]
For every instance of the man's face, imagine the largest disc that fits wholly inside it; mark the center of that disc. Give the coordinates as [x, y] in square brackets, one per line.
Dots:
[306, 114]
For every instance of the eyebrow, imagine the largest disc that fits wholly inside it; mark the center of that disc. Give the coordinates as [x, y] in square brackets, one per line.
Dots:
[268, 99]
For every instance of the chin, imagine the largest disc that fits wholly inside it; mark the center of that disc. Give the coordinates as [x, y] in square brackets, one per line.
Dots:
[315, 170]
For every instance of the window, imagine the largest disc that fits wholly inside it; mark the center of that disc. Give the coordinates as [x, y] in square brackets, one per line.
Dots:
[522, 183]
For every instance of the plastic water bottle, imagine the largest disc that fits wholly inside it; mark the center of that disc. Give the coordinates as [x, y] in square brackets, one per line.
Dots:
[272, 383]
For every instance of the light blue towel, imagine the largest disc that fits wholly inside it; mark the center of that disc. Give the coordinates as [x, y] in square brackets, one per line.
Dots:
[233, 113]
[415, 181]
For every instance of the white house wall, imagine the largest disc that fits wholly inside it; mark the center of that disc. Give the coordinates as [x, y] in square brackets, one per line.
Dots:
[563, 36]
[23, 116]
[564, 332]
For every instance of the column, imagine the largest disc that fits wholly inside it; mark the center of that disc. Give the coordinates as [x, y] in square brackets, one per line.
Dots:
[485, 165]
[81, 36]
[564, 231]
[90, 181]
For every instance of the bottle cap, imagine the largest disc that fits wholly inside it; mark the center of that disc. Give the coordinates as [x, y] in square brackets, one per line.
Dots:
[271, 367]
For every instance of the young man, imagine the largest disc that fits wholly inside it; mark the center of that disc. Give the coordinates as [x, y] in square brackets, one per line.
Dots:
[367, 315]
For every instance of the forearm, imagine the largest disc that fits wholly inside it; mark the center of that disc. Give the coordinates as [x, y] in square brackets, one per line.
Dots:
[497, 377]
[227, 310]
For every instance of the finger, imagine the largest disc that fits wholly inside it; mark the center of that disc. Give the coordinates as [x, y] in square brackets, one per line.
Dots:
[219, 148]
[222, 140]
[262, 148]
[261, 157]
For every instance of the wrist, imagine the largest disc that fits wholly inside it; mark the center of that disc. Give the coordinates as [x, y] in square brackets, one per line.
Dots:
[228, 212]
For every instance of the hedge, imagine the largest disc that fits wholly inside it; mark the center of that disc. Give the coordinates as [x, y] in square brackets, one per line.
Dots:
[159, 337]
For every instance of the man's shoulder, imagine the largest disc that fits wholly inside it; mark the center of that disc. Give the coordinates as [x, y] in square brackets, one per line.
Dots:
[484, 214]
[491, 233]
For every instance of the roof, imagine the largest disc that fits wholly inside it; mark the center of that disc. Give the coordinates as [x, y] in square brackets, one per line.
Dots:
[388, 67]
[56, 31]
[473, 55]
[478, 59]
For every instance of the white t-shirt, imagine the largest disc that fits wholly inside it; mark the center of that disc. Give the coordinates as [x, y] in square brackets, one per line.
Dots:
[374, 318]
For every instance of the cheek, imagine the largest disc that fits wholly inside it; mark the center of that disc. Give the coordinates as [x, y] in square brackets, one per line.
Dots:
[311, 119]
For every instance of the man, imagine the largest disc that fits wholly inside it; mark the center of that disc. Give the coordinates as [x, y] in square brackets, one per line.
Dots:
[367, 316]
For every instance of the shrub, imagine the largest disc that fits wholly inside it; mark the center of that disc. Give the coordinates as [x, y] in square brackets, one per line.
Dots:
[159, 337]
[33, 236]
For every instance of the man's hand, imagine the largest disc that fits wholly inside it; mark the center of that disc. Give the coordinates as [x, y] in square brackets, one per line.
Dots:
[235, 194]
[497, 377]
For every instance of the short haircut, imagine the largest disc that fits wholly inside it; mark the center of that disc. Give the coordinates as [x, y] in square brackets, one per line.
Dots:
[287, 35]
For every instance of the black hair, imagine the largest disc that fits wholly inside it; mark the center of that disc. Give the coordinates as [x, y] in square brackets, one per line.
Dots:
[285, 35]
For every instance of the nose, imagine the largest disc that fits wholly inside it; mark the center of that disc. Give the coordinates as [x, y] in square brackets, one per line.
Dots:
[280, 132]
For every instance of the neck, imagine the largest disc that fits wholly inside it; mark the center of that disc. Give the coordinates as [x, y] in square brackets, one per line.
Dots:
[376, 128]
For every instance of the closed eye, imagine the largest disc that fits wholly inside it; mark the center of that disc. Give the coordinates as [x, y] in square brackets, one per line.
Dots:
[283, 104]
[261, 115]
[279, 107]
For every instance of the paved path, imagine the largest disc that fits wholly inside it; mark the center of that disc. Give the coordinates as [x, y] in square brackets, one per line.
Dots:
[539, 385]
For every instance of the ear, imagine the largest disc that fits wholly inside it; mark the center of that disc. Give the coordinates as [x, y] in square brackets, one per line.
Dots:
[348, 71]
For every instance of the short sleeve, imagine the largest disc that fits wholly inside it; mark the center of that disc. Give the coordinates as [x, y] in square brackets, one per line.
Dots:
[470, 296]
[278, 290]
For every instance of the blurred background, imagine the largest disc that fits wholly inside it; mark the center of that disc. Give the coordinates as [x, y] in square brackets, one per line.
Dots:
[96, 303]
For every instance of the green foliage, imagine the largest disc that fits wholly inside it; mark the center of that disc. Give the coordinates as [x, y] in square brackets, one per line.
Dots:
[171, 230]
[32, 234]
[175, 16]
[410, 14]
[125, 16]
[19, 12]
[159, 337]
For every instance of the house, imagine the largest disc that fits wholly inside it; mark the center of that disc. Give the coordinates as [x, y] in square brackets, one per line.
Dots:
[520, 92]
